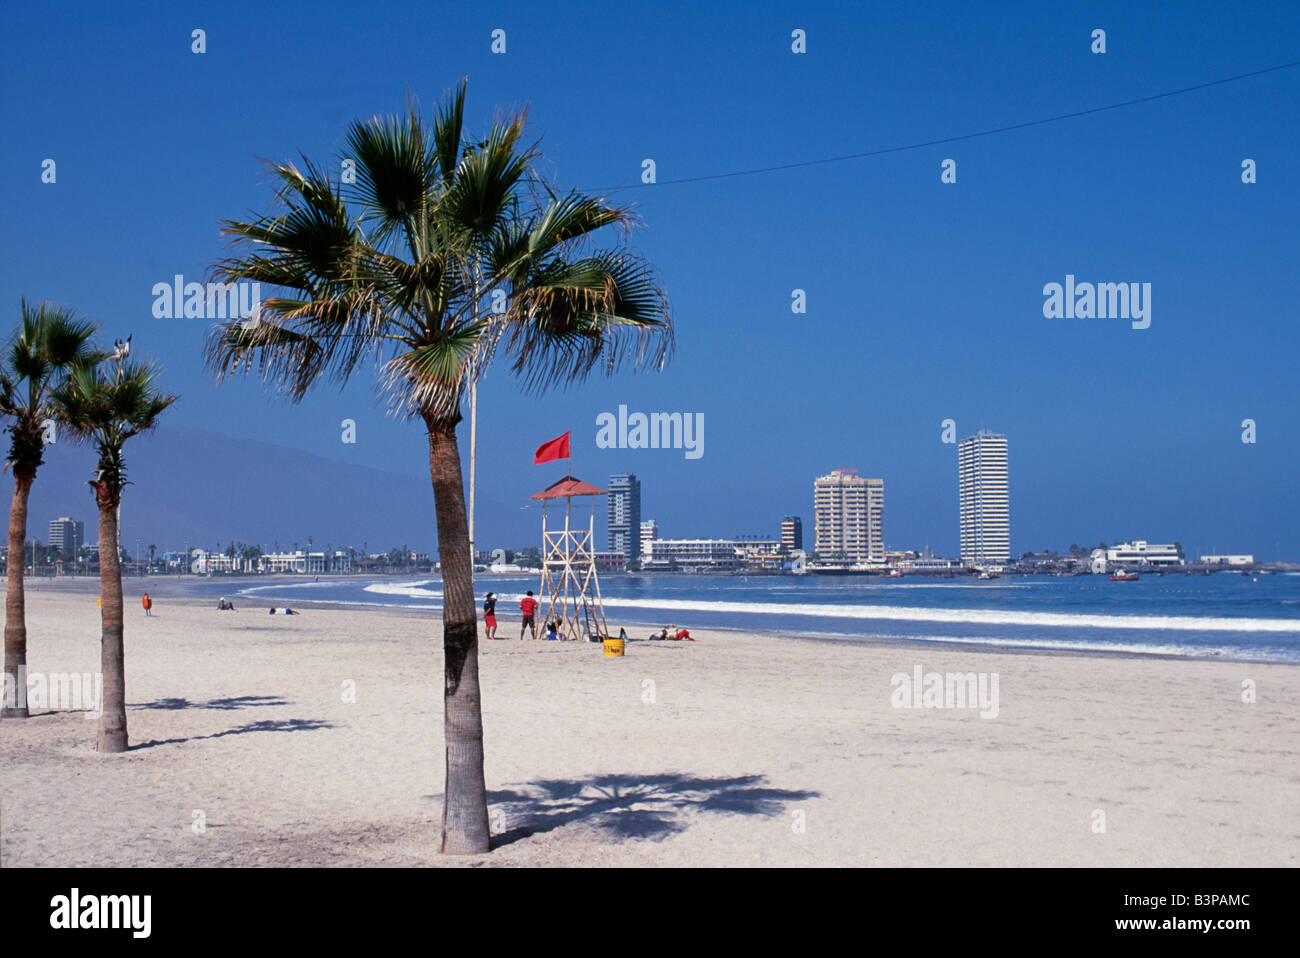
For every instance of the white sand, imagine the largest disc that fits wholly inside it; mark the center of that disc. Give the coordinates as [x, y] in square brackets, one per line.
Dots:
[745, 738]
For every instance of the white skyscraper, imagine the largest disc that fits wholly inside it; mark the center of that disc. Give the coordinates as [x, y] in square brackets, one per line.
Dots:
[982, 492]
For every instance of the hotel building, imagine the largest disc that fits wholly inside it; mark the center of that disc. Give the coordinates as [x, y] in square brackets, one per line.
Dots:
[982, 493]
[849, 517]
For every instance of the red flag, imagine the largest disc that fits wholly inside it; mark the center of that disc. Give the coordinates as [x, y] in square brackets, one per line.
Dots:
[555, 449]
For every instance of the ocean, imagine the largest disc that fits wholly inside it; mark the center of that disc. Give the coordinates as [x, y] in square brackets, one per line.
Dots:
[1224, 615]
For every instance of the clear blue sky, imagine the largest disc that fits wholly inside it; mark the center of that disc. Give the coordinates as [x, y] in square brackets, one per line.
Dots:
[924, 299]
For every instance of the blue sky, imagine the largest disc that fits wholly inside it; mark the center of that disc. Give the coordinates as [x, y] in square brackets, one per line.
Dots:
[924, 299]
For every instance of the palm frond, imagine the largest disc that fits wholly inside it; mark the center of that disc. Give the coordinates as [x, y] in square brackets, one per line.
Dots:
[431, 377]
[397, 175]
[48, 341]
[449, 121]
[604, 312]
[397, 266]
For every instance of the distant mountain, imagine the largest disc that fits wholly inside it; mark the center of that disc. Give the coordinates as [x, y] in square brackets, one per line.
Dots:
[191, 486]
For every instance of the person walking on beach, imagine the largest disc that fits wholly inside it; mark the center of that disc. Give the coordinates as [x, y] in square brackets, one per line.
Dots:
[528, 606]
[490, 615]
[147, 603]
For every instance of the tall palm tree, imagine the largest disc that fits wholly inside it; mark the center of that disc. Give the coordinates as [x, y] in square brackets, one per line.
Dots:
[396, 268]
[49, 339]
[108, 407]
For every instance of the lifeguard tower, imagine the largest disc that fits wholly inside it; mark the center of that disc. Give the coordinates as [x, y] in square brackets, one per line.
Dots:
[570, 587]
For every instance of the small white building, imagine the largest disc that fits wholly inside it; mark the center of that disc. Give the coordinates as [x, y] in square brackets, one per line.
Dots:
[701, 554]
[1229, 560]
[1141, 552]
[926, 564]
[304, 563]
[203, 562]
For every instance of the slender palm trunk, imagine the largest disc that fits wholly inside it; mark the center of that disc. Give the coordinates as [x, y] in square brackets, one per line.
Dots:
[16, 602]
[112, 715]
[464, 803]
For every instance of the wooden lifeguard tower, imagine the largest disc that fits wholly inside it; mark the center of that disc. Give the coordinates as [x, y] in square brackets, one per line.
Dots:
[570, 587]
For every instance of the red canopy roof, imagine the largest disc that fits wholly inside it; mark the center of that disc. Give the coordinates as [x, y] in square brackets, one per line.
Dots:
[568, 486]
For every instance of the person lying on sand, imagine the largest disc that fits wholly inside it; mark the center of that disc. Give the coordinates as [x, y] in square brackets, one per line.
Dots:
[672, 633]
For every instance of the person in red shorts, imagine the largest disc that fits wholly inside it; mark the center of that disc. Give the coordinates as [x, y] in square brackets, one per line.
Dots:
[528, 606]
[490, 615]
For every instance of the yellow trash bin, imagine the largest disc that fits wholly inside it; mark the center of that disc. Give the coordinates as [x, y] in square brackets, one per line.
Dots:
[613, 647]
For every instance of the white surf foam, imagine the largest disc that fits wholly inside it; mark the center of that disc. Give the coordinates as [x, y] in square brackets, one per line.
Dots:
[1188, 623]
[411, 590]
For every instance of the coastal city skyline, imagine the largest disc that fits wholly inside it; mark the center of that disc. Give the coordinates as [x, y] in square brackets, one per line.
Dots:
[848, 521]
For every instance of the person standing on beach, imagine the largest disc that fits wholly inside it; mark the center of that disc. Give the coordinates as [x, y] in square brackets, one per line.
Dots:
[490, 615]
[147, 603]
[528, 606]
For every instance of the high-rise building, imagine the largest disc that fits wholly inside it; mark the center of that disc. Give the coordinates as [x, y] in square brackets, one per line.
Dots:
[849, 517]
[649, 533]
[624, 526]
[791, 533]
[982, 492]
[67, 535]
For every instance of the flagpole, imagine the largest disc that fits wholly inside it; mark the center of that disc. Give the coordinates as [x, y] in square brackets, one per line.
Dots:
[473, 456]
[473, 423]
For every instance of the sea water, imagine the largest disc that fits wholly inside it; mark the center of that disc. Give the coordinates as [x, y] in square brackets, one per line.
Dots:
[1222, 615]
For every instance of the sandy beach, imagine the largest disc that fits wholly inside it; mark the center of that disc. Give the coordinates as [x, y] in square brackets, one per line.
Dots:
[250, 748]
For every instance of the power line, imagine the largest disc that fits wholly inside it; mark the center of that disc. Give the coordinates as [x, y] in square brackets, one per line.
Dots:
[953, 139]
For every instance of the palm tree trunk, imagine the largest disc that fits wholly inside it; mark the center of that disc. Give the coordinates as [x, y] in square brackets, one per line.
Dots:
[464, 803]
[112, 710]
[16, 602]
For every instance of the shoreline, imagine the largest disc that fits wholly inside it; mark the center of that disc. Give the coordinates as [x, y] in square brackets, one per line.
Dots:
[186, 596]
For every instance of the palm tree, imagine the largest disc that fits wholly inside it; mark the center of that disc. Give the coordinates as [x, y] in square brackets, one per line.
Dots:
[108, 410]
[395, 267]
[49, 339]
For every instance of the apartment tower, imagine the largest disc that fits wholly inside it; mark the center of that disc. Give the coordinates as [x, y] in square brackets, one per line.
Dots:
[982, 493]
[849, 517]
[624, 525]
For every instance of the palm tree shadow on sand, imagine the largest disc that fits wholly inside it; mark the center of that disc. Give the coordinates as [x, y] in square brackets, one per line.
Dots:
[650, 807]
[265, 725]
[226, 704]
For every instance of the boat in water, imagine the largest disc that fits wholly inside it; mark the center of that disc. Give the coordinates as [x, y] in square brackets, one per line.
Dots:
[1121, 576]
